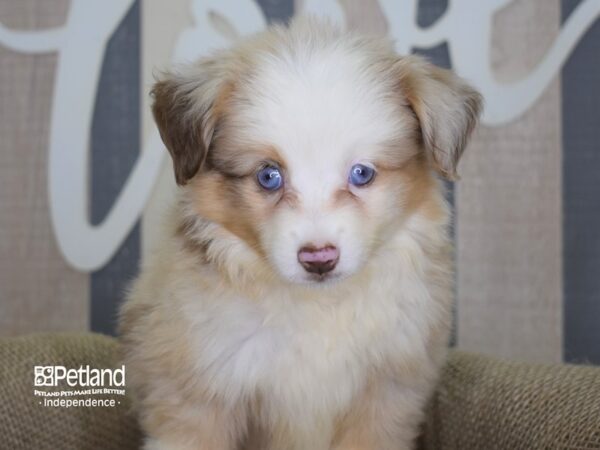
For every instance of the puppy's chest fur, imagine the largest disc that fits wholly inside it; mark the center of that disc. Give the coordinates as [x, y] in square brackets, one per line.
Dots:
[311, 356]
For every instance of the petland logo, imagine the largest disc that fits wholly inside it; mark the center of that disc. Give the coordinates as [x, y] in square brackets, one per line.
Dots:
[83, 377]
[82, 387]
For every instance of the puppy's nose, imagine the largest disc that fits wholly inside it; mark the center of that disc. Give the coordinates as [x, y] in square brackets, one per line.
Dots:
[318, 259]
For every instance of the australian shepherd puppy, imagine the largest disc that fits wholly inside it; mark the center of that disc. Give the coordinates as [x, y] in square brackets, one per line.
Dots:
[300, 298]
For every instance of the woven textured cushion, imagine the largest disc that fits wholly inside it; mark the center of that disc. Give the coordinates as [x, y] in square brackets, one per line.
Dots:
[481, 403]
[485, 404]
[25, 424]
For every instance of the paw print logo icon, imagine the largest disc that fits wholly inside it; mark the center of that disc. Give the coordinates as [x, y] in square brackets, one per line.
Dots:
[44, 376]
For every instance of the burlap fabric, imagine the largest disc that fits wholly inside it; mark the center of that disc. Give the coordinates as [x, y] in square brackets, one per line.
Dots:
[481, 403]
[486, 404]
[25, 424]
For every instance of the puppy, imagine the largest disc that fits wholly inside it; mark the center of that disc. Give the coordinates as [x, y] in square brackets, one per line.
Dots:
[301, 295]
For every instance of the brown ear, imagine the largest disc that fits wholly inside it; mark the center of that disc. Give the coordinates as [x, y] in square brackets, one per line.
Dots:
[447, 109]
[183, 110]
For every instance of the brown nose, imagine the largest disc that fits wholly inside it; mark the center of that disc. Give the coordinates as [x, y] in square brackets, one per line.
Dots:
[318, 260]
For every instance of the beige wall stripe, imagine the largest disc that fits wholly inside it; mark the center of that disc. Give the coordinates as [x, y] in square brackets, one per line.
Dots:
[38, 291]
[509, 230]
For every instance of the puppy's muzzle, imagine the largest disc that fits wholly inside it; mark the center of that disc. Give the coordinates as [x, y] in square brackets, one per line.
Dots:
[318, 260]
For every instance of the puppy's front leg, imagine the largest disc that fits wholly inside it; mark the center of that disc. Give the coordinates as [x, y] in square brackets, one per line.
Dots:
[385, 417]
[191, 426]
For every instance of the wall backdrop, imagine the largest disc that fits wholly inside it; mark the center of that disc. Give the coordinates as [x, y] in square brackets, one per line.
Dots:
[84, 177]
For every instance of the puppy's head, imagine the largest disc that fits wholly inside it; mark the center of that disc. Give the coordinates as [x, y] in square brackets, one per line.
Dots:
[313, 146]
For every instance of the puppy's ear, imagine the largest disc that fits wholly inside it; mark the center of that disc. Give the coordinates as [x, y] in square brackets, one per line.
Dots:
[184, 111]
[446, 107]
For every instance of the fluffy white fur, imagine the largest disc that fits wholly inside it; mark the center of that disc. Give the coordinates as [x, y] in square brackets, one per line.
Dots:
[229, 342]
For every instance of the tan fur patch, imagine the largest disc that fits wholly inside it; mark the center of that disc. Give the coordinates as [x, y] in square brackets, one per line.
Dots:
[447, 109]
[416, 180]
[233, 158]
[368, 424]
[238, 204]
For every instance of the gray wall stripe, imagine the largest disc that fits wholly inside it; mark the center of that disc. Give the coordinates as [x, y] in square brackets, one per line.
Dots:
[277, 10]
[114, 148]
[430, 11]
[581, 197]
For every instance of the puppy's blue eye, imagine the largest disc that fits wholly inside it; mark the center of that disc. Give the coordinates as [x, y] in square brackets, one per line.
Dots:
[360, 175]
[270, 178]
